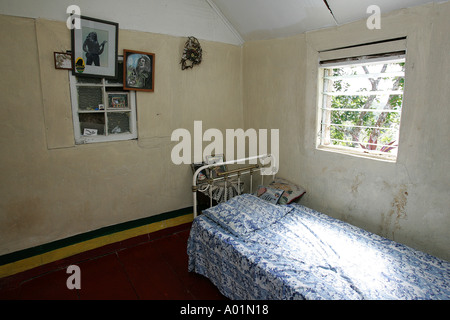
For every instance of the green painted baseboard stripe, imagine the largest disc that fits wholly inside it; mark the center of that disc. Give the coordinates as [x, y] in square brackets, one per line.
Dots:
[34, 251]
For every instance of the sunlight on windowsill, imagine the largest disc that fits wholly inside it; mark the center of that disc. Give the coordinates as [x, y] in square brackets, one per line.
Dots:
[352, 152]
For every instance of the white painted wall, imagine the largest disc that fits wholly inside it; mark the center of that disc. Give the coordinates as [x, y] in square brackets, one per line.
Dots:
[407, 201]
[53, 189]
[171, 17]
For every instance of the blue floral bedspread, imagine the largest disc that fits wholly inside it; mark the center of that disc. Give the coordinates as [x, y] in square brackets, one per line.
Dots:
[251, 249]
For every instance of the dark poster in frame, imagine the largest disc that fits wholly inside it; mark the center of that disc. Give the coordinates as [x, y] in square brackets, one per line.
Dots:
[138, 70]
[94, 48]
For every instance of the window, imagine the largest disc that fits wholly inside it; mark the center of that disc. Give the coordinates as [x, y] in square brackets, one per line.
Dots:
[102, 110]
[360, 105]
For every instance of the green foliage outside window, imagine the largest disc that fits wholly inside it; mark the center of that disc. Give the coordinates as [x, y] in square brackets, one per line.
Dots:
[357, 118]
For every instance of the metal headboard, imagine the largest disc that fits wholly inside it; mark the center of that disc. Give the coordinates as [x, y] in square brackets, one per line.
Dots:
[224, 176]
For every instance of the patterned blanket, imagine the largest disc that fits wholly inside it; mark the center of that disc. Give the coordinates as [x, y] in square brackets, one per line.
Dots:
[251, 249]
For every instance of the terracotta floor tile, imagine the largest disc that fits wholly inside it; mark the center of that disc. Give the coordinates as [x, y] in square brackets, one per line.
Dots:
[151, 275]
[104, 278]
[152, 266]
[50, 286]
[202, 288]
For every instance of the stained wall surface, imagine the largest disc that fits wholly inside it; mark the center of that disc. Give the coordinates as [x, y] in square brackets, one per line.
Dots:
[407, 200]
[51, 188]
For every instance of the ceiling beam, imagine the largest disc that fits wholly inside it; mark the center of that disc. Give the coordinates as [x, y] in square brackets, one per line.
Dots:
[226, 21]
[331, 11]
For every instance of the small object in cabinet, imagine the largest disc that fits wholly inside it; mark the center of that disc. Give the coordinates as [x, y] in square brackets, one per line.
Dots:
[118, 100]
[89, 132]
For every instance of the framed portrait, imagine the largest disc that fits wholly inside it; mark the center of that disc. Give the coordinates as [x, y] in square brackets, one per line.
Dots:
[138, 70]
[63, 60]
[94, 48]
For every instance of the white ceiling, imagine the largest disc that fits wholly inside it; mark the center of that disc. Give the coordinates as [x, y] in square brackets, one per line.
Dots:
[229, 21]
[265, 19]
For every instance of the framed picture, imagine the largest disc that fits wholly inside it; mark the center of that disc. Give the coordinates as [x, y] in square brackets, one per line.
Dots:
[138, 70]
[63, 60]
[118, 100]
[94, 48]
[212, 159]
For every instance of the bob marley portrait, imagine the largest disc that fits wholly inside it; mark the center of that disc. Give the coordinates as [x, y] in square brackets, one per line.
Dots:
[139, 71]
[93, 49]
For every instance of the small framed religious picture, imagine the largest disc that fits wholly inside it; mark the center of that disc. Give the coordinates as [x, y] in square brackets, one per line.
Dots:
[63, 60]
[118, 100]
[94, 48]
[138, 70]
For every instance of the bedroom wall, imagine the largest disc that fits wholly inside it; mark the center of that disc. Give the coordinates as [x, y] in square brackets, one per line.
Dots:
[406, 201]
[52, 189]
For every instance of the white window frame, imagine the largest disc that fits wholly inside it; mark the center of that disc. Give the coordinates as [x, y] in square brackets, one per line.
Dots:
[322, 143]
[82, 139]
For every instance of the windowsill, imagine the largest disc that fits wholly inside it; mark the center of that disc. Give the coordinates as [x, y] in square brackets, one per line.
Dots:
[354, 153]
[83, 140]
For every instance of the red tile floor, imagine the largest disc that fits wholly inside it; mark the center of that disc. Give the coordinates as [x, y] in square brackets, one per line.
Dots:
[152, 266]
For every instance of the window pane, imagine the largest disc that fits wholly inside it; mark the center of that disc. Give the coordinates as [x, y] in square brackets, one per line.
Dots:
[89, 80]
[92, 124]
[362, 106]
[102, 110]
[89, 98]
[118, 122]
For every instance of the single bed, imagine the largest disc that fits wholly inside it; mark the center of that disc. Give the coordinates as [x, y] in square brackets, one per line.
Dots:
[252, 249]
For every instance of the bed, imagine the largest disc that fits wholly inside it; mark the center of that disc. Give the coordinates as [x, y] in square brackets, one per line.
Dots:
[253, 249]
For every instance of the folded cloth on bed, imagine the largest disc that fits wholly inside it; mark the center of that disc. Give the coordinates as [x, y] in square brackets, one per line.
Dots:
[245, 213]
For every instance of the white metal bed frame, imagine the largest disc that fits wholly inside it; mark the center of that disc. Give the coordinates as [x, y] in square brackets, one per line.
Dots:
[232, 173]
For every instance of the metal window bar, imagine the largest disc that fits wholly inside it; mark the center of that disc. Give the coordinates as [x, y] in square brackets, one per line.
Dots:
[231, 173]
[328, 92]
[363, 110]
[364, 93]
[355, 126]
[367, 75]
[365, 143]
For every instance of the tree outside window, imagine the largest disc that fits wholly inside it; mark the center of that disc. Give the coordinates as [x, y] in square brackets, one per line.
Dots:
[361, 107]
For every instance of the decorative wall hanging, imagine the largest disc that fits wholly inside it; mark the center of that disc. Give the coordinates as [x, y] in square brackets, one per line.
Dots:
[138, 70]
[192, 53]
[94, 48]
[63, 60]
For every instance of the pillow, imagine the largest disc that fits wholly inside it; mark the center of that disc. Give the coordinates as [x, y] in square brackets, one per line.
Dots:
[245, 213]
[269, 194]
[291, 191]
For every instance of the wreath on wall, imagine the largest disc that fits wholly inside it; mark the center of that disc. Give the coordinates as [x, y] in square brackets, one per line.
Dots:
[192, 53]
